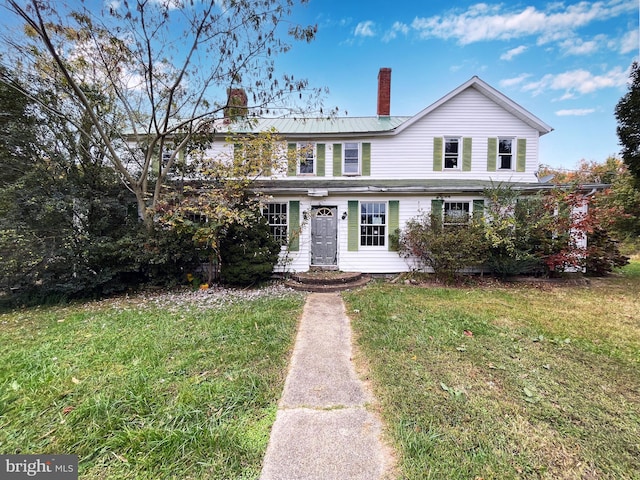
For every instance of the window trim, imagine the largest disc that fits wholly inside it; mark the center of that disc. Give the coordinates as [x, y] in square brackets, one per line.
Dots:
[300, 147]
[381, 237]
[512, 162]
[459, 154]
[283, 237]
[344, 159]
[468, 210]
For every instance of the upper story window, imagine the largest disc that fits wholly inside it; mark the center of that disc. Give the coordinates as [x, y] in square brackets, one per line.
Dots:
[373, 223]
[351, 162]
[276, 215]
[307, 157]
[166, 156]
[452, 152]
[505, 153]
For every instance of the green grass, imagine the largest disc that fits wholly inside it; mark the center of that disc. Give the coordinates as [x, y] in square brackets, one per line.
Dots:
[544, 384]
[139, 390]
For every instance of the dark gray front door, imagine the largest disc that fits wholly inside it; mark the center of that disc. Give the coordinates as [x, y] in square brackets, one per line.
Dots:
[324, 235]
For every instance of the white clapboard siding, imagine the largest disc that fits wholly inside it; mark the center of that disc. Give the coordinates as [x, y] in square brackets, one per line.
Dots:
[409, 153]
[365, 259]
[470, 114]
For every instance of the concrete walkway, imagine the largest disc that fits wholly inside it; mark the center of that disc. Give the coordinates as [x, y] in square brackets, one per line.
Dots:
[323, 430]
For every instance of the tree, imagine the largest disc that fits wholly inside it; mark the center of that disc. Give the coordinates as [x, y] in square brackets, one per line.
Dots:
[146, 80]
[67, 228]
[619, 204]
[544, 233]
[628, 116]
[587, 172]
[622, 203]
[206, 209]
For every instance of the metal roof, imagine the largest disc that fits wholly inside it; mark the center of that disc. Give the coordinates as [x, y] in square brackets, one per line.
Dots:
[319, 126]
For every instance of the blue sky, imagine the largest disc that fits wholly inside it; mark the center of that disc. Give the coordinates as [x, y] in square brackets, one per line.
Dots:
[566, 62]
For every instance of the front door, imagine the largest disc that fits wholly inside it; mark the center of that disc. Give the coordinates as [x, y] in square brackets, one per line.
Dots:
[324, 236]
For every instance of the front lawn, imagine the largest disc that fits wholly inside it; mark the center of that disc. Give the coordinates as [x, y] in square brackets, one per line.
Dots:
[502, 382]
[163, 386]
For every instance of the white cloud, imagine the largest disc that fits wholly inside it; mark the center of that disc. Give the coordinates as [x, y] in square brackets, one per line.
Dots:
[171, 4]
[629, 42]
[512, 82]
[577, 46]
[580, 81]
[398, 27]
[365, 29]
[514, 52]
[483, 22]
[168, 4]
[575, 112]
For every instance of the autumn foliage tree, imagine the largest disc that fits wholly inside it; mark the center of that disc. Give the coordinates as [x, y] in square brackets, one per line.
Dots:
[548, 233]
[219, 197]
[620, 199]
[146, 79]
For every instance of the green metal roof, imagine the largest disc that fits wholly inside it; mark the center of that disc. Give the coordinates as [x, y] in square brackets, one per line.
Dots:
[319, 126]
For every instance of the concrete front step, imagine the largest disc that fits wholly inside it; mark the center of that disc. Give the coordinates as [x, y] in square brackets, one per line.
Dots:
[310, 282]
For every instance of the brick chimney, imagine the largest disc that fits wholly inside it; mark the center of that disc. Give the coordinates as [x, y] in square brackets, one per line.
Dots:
[384, 92]
[236, 104]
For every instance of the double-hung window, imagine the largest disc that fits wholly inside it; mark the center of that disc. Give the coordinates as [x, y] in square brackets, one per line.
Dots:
[373, 224]
[307, 156]
[456, 213]
[452, 152]
[276, 215]
[166, 156]
[505, 153]
[351, 159]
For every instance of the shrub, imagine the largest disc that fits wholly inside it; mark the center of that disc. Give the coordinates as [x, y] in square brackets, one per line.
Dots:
[603, 254]
[445, 249]
[248, 253]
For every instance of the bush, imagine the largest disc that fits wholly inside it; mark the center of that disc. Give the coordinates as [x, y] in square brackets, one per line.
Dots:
[445, 249]
[505, 265]
[603, 254]
[248, 254]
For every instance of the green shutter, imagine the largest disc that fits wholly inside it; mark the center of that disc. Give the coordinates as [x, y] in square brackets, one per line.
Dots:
[366, 159]
[466, 154]
[522, 155]
[492, 154]
[294, 225]
[437, 154]
[337, 159]
[436, 208]
[478, 208]
[267, 161]
[237, 155]
[292, 159]
[320, 154]
[394, 222]
[352, 227]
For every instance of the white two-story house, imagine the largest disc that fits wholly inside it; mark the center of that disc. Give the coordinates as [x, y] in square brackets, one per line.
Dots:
[360, 179]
